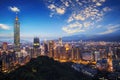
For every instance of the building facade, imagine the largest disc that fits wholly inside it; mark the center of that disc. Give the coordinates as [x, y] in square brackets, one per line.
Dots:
[17, 34]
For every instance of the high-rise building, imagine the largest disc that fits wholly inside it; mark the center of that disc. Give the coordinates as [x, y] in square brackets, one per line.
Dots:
[0, 61]
[118, 53]
[58, 52]
[51, 48]
[36, 42]
[5, 45]
[62, 52]
[66, 54]
[77, 53]
[17, 34]
[60, 41]
[110, 64]
[45, 48]
[96, 55]
[36, 45]
[72, 53]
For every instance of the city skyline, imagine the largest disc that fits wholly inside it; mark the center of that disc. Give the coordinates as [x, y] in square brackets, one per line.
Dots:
[52, 18]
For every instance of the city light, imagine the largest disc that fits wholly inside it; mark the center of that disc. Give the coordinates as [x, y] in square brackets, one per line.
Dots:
[81, 38]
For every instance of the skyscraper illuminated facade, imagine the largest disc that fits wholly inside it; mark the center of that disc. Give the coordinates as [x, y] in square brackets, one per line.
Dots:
[60, 41]
[17, 34]
[36, 45]
[51, 48]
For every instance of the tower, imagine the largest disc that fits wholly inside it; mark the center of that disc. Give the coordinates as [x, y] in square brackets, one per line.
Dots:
[110, 64]
[77, 53]
[60, 41]
[51, 48]
[17, 34]
[45, 48]
[36, 45]
[72, 53]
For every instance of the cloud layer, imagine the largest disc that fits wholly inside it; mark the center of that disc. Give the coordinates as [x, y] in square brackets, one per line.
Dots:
[111, 29]
[14, 9]
[74, 27]
[56, 9]
[84, 14]
[4, 27]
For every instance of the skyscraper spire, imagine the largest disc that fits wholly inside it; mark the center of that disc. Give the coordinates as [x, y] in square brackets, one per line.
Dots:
[16, 17]
[17, 34]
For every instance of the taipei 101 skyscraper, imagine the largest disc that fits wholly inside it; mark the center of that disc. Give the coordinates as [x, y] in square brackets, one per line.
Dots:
[17, 34]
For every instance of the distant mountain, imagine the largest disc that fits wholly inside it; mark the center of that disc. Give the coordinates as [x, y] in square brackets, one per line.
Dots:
[11, 41]
[25, 41]
[85, 37]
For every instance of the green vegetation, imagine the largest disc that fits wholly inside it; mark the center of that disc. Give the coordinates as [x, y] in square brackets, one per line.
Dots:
[45, 68]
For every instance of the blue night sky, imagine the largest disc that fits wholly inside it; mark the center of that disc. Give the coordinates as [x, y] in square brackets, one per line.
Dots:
[57, 18]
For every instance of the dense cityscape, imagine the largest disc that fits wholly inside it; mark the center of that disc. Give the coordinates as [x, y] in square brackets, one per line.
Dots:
[78, 40]
[100, 55]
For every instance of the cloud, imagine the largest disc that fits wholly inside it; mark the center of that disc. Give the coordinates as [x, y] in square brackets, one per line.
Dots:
[73, 28]
[98, 4]
[106, 9]
[66, 3]
[78, 8]
[51, 15]
[76, 17]
[56, 9]
[85, 12]
[102, 0]
[60, 10]
[94, 0]
[52, 6]
[90, 13]
[6, 35]
[14, 9]
[86, 24]
[98, 26]
[107, 32]
[98, 0]
[4, 27]
[111, 29]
